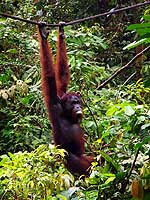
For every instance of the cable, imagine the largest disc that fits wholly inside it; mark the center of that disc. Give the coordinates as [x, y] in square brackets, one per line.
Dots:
[79, 20]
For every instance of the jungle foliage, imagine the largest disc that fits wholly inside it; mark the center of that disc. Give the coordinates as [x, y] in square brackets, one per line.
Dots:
[116, 118]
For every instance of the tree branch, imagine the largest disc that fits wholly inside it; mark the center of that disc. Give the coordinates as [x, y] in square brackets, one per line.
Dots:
[122, 68]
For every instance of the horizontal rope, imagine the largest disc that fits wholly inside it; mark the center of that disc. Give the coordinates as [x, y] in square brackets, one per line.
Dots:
[79, 20]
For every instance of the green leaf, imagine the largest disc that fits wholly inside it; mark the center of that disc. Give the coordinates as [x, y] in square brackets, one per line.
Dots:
[110, 160]
[4, 159]
[145, 126]
[129, 111]
[12, 51]
[141, 119]
[90, 124]
[138, 26]
[146, 17]
[27, 99]
[135, 44]
[70, 192]
[111, 111]
[147, 41]
[143, 32]
[105, 134]
[110, 179]
[140, 144]
[31, 184]
[61, 197]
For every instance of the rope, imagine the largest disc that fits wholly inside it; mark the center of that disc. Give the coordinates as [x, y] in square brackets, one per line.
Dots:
[26, 20]
[108, 13]
[76, 21]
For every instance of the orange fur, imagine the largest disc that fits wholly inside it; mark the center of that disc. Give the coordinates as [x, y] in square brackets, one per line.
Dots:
[47, 73]
[67, 132]
[79, 164]
[62, 67]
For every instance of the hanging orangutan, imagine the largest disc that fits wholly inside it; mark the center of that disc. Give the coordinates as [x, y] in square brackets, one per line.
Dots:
[64, 108]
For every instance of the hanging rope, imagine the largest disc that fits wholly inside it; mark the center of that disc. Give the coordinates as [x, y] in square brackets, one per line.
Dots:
[79, 20]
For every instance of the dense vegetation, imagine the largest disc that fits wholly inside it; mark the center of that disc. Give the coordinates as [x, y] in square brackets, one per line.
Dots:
[116, 118]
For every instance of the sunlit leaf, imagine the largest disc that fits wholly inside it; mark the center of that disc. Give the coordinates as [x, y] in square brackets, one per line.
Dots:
[111, 111]
[110, 179]
[145, 126]
[12, 51]
[135, 44]
[129, 111]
